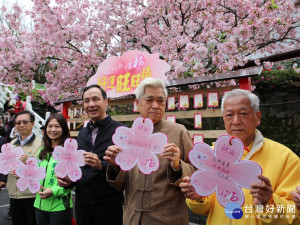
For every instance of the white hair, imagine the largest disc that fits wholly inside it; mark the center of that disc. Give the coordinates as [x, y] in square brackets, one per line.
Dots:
[149, 82]
[254, 100]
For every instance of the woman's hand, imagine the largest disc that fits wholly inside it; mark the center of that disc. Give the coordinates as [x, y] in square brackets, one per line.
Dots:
[45, 193]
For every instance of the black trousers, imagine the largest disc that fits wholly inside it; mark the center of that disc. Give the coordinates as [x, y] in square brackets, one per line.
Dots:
[98, 214]
[63, 217]
[22, 211]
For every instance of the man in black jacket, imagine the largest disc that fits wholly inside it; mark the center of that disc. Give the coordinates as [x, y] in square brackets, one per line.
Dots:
[96, 201]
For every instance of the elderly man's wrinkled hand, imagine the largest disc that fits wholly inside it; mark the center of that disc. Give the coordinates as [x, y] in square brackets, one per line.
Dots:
[296, 197]
[188, 190]
[172, 153]
[261, 191]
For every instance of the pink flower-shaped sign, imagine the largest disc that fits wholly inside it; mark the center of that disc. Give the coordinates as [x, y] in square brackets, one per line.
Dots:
[139, 146]
[30, 175]
[120, 76]
[69, 160]
[222, 171]
[9, 158]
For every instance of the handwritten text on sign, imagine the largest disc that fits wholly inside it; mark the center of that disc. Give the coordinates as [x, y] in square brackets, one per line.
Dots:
[30, 175]
[9, 158]
[69, 160]
[139, 146]
[121, 75]
[222, 171]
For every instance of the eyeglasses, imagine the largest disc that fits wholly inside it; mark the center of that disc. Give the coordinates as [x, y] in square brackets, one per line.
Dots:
[22, 121]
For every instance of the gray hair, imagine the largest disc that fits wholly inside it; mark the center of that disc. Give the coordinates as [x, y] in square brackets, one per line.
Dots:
[254, 100]
[149, 82]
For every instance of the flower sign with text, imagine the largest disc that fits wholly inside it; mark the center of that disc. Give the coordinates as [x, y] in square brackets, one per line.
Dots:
[69, 160]
[30, 175]
[139, 146]
[222, 170]
[120, 76]
[9, 158]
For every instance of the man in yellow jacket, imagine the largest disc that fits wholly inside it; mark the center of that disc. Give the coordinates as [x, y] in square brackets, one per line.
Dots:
[268, 201]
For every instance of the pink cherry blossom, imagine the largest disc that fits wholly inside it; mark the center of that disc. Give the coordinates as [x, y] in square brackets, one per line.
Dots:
[69, 160]
[9, 158]
[139, 146]
[268, 65]
[66, 41]
[29, 175]
[222, 170]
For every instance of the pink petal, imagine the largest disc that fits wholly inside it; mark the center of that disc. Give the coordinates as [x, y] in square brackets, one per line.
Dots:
[34, 186]
[203, 182]
[142, 127]
[157, 141]
[245, 172]
[15, 164]
[7, 148]
[109, 63]
[39, 173]
[148, 162]
[58, 151]
[78, 158]
[31, 162]
[19, 152]
[21, 170]
[229, 192]
[121, 137]
[202, 156]
[61, 169]
[126, 159]
[225, 151]
[74, 173]
[22, 183]
[9, 159]
[5, 168]
[70, 145]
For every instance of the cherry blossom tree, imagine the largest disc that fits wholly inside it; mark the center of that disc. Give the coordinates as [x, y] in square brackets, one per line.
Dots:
[69, 39]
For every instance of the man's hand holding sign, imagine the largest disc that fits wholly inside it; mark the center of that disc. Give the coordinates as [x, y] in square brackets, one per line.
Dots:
[222, 171]
[138, 147]
[265, 198]
[159, 141]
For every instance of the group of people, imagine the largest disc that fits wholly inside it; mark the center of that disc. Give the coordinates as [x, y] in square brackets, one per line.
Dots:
[52, 204]
[107, 195]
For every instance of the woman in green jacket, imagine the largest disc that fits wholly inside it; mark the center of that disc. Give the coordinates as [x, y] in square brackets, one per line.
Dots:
[53, 203]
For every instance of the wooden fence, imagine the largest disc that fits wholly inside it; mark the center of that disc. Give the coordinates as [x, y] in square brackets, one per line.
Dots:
[211, 112]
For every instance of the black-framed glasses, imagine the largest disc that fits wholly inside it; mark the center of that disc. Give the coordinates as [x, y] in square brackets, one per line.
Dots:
[22, 121]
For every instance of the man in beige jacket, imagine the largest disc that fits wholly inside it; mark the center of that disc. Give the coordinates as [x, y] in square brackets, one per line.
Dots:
[155, 198]
[21, 203]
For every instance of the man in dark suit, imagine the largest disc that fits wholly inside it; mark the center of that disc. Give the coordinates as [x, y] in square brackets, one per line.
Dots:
[96, 201]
